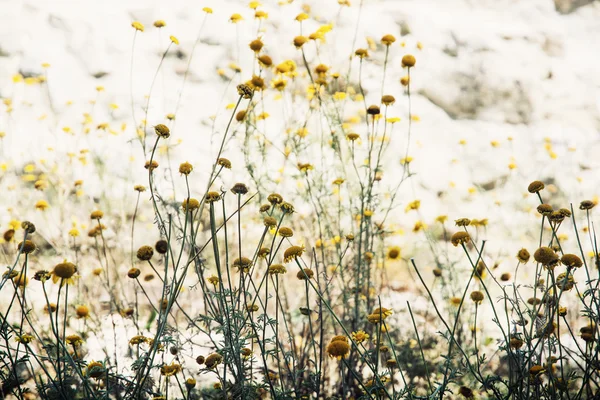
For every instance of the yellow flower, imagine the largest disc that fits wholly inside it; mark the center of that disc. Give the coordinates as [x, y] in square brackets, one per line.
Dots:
[169, 370]
[25, 338]
[174, 39]
[207, 10]
[74, 340]
[235, 18]
[42, 205]
[301, 17]
[138, 26]
[360, 336]
[65, 272]
[413, 205]
[160, 23]
[419, 226]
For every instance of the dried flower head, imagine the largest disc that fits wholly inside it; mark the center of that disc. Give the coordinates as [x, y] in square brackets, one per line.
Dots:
[162, 131]
[535, 187]
[462, 222]
[352, 136]
[477, 296]
[287, 208]
[546, 256]
[245, 91]
[523, 256]
[338, 349]
[276, 269]
[243, 264]
[545, 209]
[28, 227]
[161, 246]
[134, 273]
[515, 343]
[225, 163]
[26, 247]
[571, 260]
[292, 253]
[190, 204]
[213, 360]
[388, 99]
[170, 370]
[285, 232]
[185, 168]
[211, 197]
[239, 188]
[460, 238]
[145, 253]
[565, 282]
[305, 274]
[160, 23]
[586, 205]
[373, 110]
[151, 165]
[275, 198]
[269, 221]
[139, 188]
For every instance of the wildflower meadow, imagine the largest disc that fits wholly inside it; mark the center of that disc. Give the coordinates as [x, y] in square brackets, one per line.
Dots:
[278, 199]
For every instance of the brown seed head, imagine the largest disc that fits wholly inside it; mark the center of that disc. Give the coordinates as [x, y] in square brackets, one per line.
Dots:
[546, 256]
[162, 131]
[161, 246]
[460, 238]
[145, 253]
[571, 260]
[535, 186]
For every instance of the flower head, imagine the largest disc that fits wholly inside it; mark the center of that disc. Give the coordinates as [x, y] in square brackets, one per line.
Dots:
[523, 256]
[292, 253]
[546, 256]
[243, 264]
[409, 61]
[64, 271]
[138, 26]
[305, 274]
[360, 336]
[162, 131]
[460, 238]
[213, 360]
[185, 168]
[535, 187]
[145, 253]
[338, 349]
[26, 247]
[388, 40]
